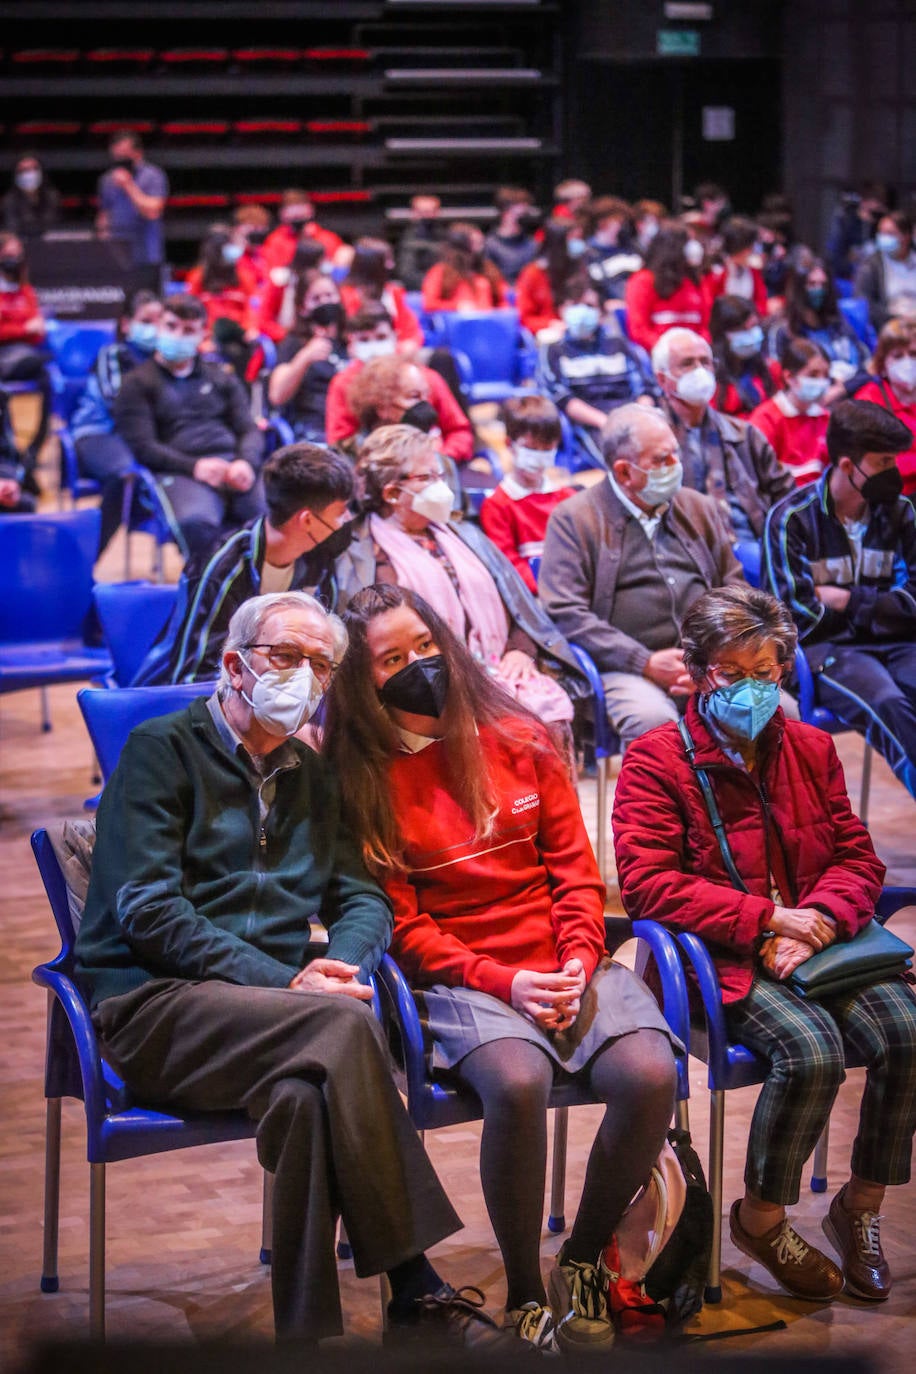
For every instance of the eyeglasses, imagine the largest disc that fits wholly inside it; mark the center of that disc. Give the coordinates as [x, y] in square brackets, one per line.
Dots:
[728, 677]
[286, 657]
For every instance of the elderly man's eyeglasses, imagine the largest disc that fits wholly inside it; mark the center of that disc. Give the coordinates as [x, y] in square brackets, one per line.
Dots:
[286, 657]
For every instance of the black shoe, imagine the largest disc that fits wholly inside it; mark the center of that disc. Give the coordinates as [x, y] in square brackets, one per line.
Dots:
[451, 1318]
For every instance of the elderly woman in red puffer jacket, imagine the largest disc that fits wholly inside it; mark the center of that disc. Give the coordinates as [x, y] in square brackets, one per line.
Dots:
[811, 876]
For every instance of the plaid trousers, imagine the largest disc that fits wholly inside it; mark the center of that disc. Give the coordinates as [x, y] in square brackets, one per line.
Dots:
[805, 1042]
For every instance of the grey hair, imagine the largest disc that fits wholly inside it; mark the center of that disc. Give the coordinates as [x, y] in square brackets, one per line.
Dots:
[735, 617]
[246, 622]
[661, 353]
[618, 437]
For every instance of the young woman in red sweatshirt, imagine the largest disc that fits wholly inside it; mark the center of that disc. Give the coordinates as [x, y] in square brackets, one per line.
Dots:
[467, 816]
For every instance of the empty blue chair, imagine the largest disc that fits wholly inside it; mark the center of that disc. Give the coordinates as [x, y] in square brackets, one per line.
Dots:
[131, 615]
[855, 312]
[111, 714]
[45, 597]
[434, 1100]
[488, 348]
[117, 1128]
[604, 743]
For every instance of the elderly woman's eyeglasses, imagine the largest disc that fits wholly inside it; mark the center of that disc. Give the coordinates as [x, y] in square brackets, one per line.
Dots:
[286, 657]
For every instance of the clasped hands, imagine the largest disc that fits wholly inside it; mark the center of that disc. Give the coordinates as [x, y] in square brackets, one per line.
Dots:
[550, 1000]
[799, 933]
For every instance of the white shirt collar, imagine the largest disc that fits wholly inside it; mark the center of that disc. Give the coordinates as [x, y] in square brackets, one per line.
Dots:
[648, 522]
[514, 489]
[414, 744]
[790, 409]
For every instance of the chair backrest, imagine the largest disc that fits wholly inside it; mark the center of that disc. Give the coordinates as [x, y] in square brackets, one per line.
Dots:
[131, 616]
[110, 715]
[75, 346]
[46, 575]
[855, 312]
[489, 338]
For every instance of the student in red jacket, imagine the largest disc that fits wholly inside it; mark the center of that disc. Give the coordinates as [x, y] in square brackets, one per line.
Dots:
[732, 274]
[811, 877]
[745, 378]
[794, 419]
[515, 515]
[469, 820]
[392, 393]
[22, 331]
[666, 292]
[894, 387]
[464, 279]
[227, 286]
[298, 223]
[540, 286]
[368, 282]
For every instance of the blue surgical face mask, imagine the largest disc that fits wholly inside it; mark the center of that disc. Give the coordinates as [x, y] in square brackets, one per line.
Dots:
[744, 708]
[143, 334]
[887, 243]
[744, 343]
[177, 348]
[231, 252]
[576, 247]
[581, 320]
[816, 296]
[811, 389]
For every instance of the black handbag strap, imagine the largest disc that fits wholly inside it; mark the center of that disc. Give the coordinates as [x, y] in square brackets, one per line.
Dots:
[718, 826]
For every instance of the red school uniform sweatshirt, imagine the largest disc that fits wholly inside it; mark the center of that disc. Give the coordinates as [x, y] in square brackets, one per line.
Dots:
[471, 913]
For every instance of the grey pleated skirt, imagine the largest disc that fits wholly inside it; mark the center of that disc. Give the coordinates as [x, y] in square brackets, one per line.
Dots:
[615, 1003]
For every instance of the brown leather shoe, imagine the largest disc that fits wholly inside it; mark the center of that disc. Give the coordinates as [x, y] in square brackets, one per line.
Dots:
[798, 1267]
[857, 1240]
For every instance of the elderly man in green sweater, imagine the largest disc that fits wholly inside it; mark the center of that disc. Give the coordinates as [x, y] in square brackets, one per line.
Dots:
[219, 842]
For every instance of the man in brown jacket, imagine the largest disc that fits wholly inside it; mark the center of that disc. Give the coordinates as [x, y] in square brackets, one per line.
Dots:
[623, 563]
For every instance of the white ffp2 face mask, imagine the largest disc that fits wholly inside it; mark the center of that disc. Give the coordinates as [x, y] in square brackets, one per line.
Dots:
[902, 371]
[696, 387]
[434, 502]
[533, 459]
[283, 700]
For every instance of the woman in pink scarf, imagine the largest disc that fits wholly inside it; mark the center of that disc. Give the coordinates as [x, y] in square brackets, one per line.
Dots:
[406, 539]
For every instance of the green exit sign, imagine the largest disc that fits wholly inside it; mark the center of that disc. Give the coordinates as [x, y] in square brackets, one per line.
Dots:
[677, 43]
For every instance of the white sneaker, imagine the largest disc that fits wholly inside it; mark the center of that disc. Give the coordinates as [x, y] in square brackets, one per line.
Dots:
[534, 1324]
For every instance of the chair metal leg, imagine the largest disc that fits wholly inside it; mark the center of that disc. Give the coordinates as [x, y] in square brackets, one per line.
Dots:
[49, 1279]
[601, 846]
[819, 1167]
[45, 709]
[556, 1220]
[866, 784]
[97, 1252]
[267, 1218]
[716, 1147]
[344, 1248]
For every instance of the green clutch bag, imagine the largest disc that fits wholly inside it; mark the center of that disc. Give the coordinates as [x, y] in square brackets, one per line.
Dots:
[875, 953]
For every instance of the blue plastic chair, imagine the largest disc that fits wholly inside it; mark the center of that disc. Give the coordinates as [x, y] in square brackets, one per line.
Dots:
[131, 615]
[733, 1065]
[117, 1128]
[814, 714]
[604, 742]
[488, 349]
[45, 596]
[110, 714]
[855, 311]
[434, 1101]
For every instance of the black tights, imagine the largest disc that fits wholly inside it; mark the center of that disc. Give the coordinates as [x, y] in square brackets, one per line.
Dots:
[634, 1076]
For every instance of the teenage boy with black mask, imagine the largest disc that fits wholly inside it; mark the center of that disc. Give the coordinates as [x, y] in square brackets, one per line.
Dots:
[841, 553]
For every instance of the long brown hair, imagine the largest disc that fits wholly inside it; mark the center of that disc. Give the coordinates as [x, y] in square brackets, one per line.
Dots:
[461, 263]
[361, 739]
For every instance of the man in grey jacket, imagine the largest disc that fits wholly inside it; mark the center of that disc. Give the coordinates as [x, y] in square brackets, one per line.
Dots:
[623, 563]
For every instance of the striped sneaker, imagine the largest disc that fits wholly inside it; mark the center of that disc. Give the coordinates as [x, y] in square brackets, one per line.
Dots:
[535, 1324]
[577, 1295]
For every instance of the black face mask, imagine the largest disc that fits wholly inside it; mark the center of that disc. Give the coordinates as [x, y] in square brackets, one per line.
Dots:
[298, 224]
[421, 416]
[125, 163]
[421, 688]
[257, 237]
[881, 488]
[329, 313]
[11, 267]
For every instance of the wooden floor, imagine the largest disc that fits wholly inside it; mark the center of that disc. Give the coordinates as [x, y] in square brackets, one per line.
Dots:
[183, 1231]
